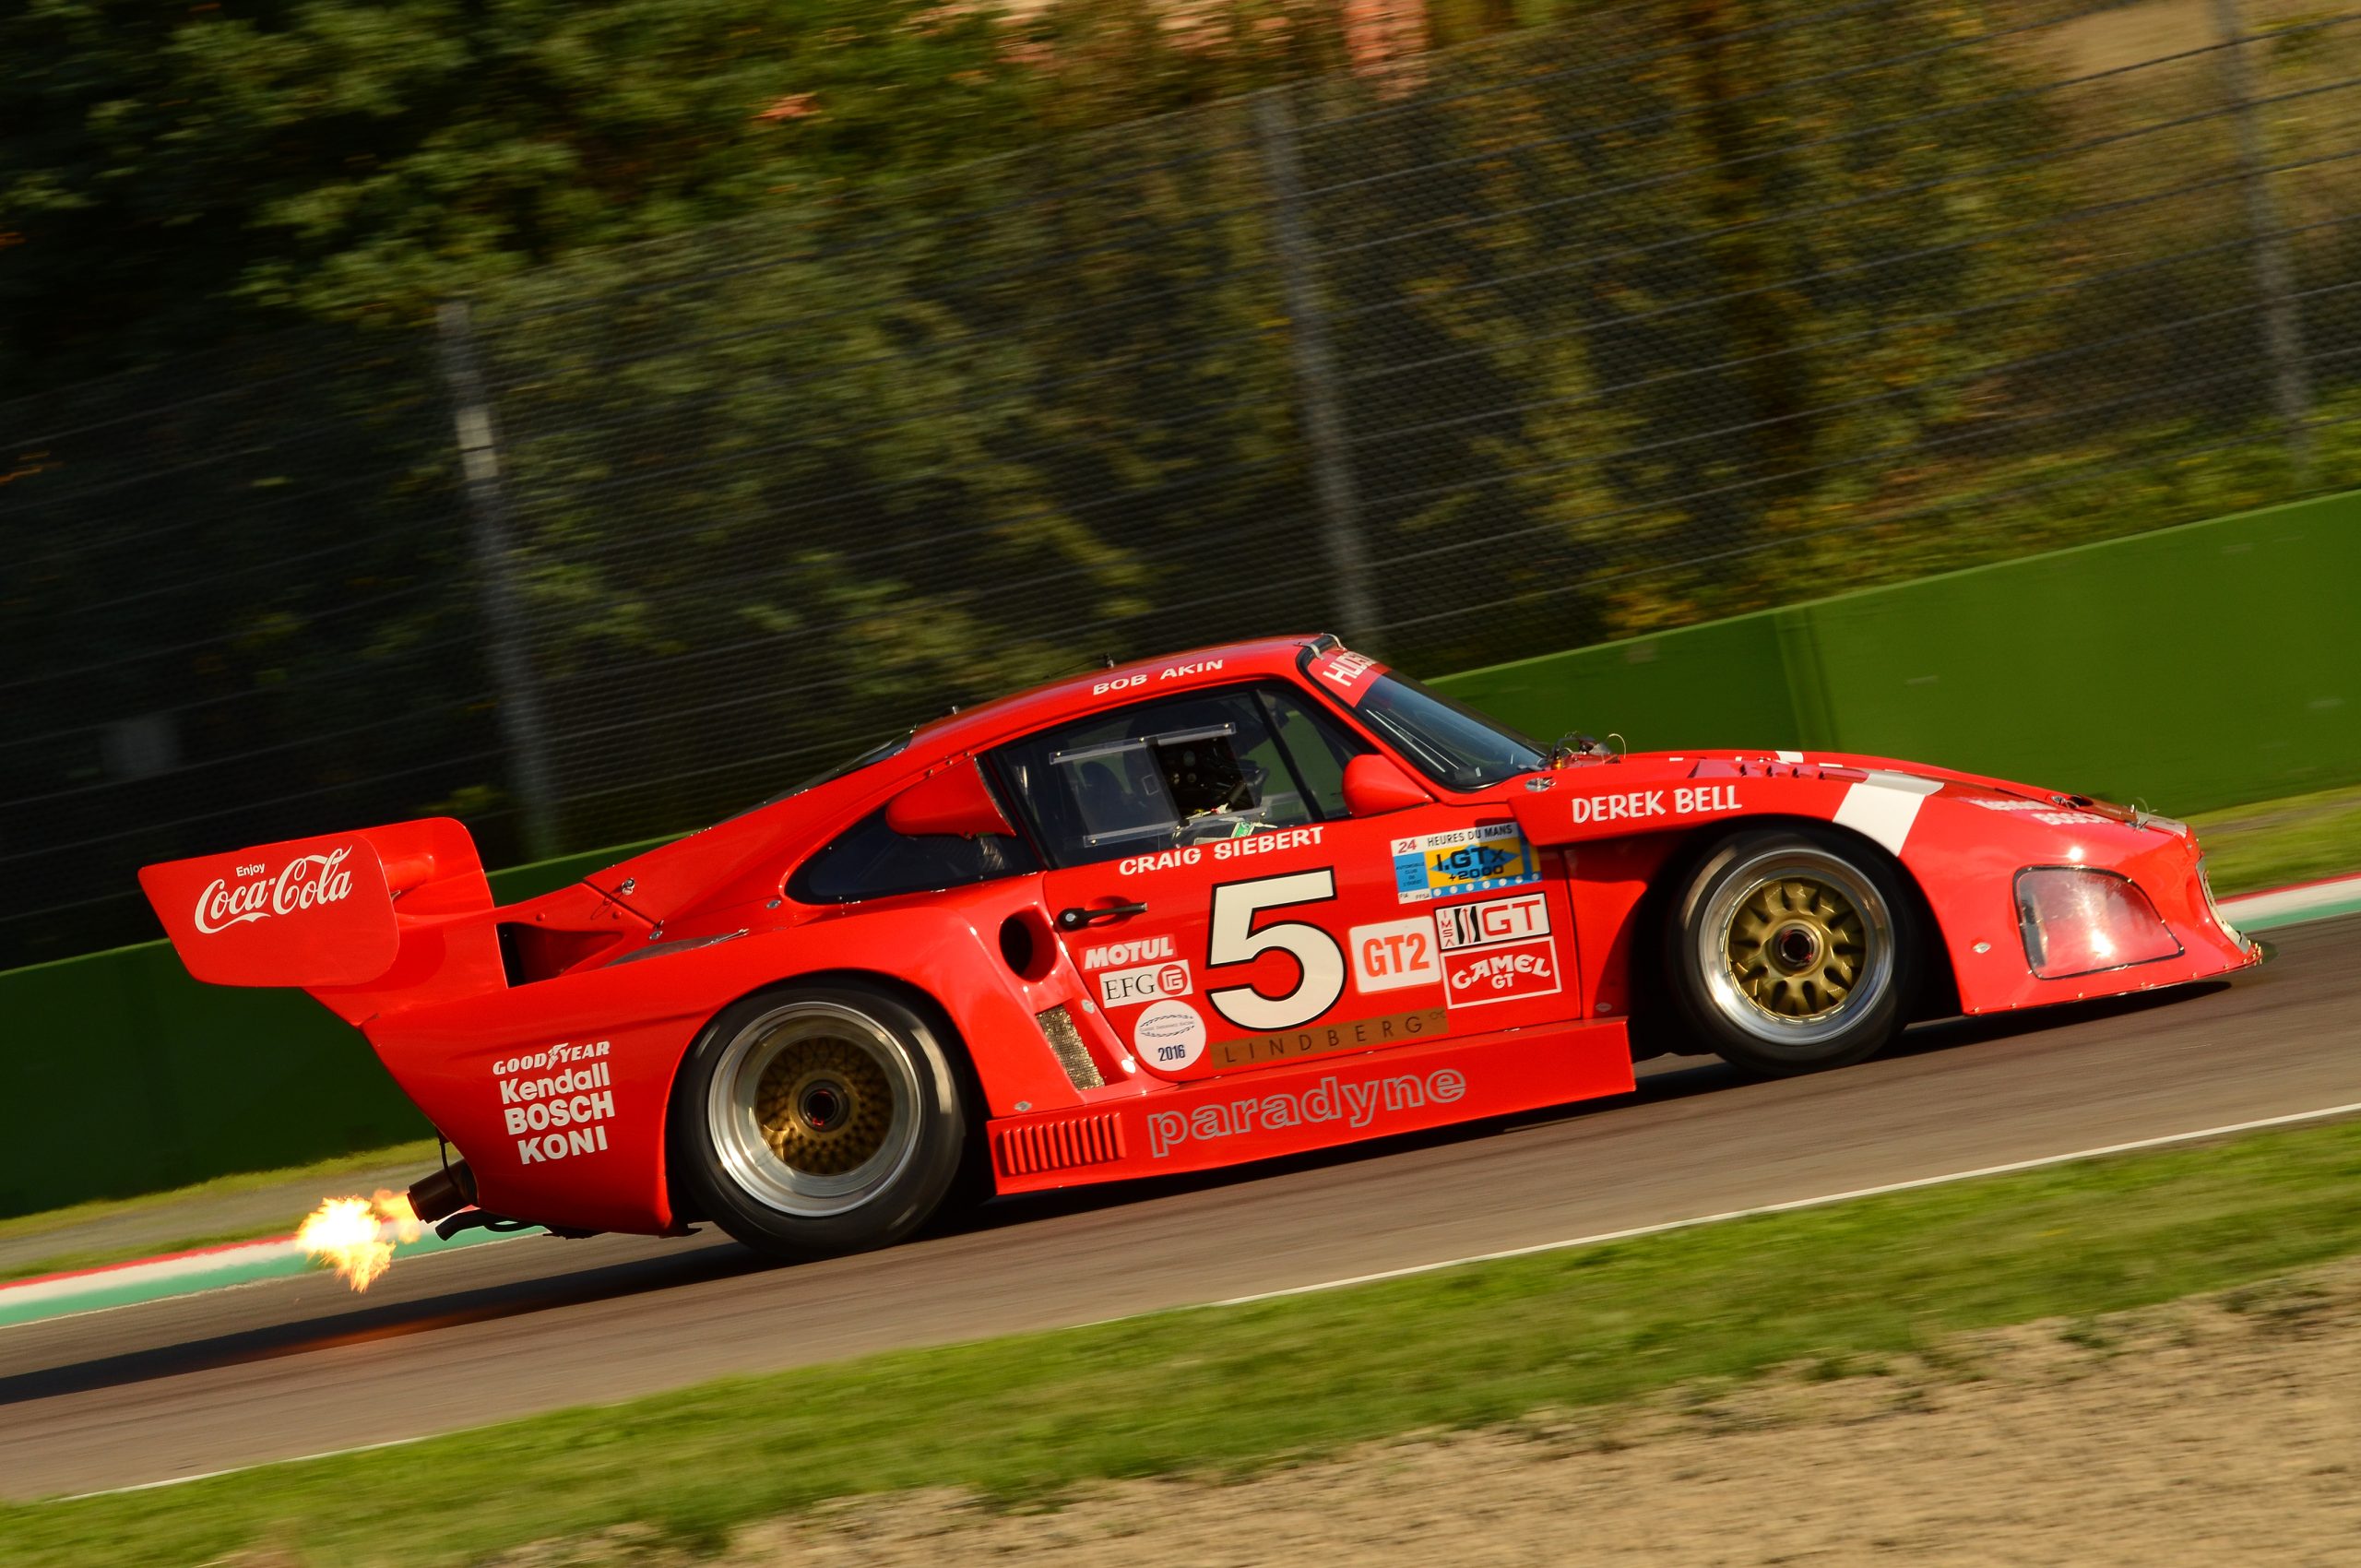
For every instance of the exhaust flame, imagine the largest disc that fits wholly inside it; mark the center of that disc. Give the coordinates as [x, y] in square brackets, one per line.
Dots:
[356, 1236]
[395, 1210]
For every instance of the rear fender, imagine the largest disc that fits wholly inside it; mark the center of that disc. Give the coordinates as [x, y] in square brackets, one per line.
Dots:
[477, 1066]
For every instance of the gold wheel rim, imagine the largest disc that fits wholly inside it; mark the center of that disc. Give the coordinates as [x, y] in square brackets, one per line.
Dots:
[1796, 946]
[825, 1106]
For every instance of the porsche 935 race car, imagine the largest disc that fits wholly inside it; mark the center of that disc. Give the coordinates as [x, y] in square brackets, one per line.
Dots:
[1238, 903]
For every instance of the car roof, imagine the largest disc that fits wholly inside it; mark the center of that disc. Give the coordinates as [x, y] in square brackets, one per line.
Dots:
[988, 723]
[677, 874]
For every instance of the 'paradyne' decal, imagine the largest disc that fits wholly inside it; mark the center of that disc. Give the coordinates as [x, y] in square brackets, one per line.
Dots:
[1464, 861]
[1355, 1103]
[305, 882]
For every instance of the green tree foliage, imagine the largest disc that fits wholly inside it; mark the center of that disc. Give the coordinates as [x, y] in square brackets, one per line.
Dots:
[1633, 300]
[176, 170]
[915, 450]
[171, 173]
[852, 360]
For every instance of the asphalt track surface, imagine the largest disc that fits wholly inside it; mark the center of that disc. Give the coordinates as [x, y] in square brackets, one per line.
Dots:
[147, 1394]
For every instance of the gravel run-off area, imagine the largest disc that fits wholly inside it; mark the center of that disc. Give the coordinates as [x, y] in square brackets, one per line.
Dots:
[2225, 1430]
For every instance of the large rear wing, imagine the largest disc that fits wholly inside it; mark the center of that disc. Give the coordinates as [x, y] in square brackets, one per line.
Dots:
[329, 913]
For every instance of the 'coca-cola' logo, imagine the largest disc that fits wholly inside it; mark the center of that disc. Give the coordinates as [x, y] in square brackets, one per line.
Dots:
[306, 882]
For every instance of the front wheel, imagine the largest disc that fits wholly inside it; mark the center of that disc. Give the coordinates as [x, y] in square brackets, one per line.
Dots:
[1787, 951]
[818, 1119]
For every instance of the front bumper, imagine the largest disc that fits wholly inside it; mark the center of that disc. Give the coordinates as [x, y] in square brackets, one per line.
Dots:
[2171, 874]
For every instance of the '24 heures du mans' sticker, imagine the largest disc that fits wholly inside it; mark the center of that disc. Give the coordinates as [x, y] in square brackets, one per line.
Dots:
[1168, 1035]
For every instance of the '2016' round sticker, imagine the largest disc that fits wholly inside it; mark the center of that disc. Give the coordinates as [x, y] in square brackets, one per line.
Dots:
[1168, 1035]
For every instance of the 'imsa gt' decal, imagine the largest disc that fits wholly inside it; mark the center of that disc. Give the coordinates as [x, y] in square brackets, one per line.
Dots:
[1499, 950]
[1467, 860]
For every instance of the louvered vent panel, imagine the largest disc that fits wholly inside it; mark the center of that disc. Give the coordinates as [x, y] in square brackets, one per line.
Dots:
[1068, 1141]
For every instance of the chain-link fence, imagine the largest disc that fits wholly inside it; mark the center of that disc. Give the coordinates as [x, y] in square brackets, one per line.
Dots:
[1584, 333]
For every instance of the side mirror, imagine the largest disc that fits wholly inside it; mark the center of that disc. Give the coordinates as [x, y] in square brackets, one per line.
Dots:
[1373, 786]
[953, 798]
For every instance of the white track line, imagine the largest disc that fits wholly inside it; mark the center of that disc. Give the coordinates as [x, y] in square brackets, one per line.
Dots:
[1792, 1203]
[239, 1469]
[2202, 1133]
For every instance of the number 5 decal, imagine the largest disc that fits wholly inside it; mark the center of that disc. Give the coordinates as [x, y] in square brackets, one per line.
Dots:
[1234, 939]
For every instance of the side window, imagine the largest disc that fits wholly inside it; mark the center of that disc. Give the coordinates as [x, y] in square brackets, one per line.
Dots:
[1181, 771]
[870, 861]
[1314, 746]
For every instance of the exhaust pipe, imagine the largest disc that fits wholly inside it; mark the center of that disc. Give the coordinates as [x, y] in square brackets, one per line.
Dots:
[446, 1200]
[444, 1194]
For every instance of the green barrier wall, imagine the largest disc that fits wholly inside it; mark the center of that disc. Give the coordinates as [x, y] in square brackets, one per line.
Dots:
[2199, 667]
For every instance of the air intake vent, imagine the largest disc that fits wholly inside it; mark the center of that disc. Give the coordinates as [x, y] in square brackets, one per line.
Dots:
[1057, 1028]
[1092, 1139]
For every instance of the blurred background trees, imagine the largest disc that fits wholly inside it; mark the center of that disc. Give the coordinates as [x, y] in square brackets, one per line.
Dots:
[847, 360]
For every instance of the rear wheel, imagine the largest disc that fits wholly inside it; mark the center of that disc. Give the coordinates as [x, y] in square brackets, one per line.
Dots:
[1792, 950]
[818, 1119]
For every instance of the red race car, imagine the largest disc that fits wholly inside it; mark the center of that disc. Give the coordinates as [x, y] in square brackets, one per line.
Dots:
[1183, 913]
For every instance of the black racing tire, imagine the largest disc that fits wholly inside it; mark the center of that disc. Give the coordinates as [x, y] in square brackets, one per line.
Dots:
[810, 1121]
[1790, 950]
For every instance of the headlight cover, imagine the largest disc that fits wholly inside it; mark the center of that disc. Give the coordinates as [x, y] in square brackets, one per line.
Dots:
[2076, 920]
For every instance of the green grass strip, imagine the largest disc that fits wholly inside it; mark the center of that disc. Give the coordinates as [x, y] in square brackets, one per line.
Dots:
[1240, 1388]
[323, 1172]
[2272, 843]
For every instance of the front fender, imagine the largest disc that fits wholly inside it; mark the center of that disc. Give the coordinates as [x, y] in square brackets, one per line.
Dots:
[1960, 838]
[1965, 853]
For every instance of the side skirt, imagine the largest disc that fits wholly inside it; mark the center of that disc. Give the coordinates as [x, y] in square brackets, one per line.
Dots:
[1309, 1105]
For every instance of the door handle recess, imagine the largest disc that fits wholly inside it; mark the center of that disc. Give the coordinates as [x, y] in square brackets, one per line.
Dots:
[1075, 919]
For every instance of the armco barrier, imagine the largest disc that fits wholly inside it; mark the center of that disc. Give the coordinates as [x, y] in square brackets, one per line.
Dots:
[2196, 666]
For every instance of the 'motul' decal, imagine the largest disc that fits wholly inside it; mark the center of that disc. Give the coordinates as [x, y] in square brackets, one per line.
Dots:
[305, 882]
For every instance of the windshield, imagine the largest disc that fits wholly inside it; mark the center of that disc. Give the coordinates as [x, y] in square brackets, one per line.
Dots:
[1447, 740]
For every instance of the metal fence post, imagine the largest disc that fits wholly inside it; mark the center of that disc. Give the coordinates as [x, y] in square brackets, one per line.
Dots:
[2282, 324]
[1323, 413]
[512, 669]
